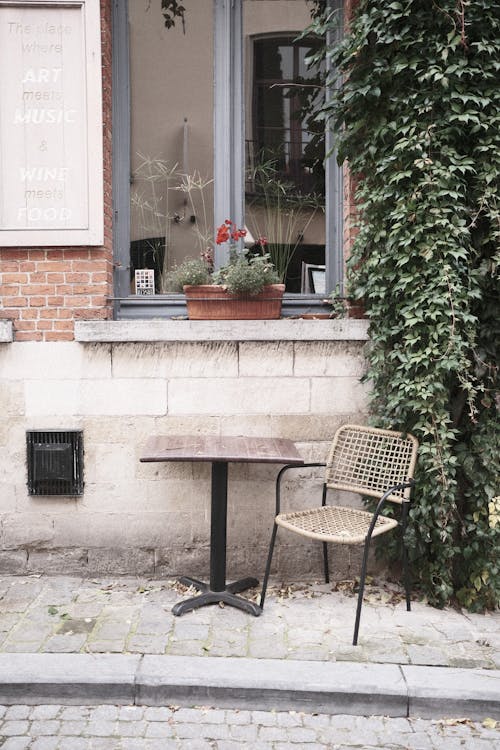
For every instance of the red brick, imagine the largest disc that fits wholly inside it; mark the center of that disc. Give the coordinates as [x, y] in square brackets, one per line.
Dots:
[26, 325]
[39, 289]
[44, 325]
[15, 302]
[55, 278]
[63, 325]
[10, 254]
[64, 314]
[31, 336]
[77, 278]
[39, 277]
[91, 266]
[59, 336]
[64, 289]
[15, 278]
[11, 290]
[100, 301]
[56, 254]
[38, 301]
[92, 313]
[99, 278]
[77, 301]
[55, 301]
[9, 266]
[30, 314]
[27, 266]
[56, 266]
[81, 253]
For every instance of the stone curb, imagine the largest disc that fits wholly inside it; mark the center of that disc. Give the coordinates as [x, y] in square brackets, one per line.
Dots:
[255, 684]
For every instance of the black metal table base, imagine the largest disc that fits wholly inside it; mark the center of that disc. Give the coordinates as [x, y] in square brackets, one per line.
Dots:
[227, 596]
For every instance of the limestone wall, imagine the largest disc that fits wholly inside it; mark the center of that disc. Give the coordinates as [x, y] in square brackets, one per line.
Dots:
[153, 519]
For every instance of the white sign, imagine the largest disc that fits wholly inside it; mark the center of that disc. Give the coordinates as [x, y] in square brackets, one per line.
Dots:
[50, 124]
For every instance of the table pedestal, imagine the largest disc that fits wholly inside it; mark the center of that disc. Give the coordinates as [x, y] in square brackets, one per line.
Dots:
[217, 590]
[227, 596]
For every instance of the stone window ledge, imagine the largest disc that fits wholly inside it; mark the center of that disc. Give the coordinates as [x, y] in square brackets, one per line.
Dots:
[286, 329]
[5, 331]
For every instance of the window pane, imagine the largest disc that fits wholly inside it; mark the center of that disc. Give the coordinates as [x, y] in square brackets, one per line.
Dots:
[171, 192]
[285, 148]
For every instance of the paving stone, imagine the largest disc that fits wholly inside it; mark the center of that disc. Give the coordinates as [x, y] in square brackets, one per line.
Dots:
[100, 728]
[16, 743]
[17, 712]
[78, 713]
[106, 713]
[74, 727]
[11, 728]
[67, 643]
[134, 728]
[244, 733]
[45, 743]
[160, 729]
[73, 743]
[44, 727]
[44, 712]
[131, 713]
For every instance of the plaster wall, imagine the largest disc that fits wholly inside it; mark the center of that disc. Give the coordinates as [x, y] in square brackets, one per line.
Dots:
[153, 519]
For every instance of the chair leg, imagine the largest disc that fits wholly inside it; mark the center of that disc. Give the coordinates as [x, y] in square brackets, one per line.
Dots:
[361, 590]
[268, 566]
[406, 578]
[404, 555]
[325, 562]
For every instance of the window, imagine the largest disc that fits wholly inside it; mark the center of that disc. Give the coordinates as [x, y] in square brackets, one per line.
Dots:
[286, 94]
[199, 114]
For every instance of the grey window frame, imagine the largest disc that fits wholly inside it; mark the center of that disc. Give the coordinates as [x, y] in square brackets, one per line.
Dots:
[228, 165]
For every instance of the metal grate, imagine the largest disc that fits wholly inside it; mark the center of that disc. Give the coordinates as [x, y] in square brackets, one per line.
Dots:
[55, 462]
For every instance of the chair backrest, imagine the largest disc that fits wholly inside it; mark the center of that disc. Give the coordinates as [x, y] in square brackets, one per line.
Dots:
[369, 460]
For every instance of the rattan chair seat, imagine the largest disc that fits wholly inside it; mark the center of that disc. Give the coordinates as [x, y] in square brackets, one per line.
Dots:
[334, 524]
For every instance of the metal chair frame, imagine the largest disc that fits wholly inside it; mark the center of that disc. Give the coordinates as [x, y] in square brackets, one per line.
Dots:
[398, 493]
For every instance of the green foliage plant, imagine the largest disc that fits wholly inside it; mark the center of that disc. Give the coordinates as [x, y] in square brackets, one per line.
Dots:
[192, 271]
[245, 274]
[278, 212]
[415, 112]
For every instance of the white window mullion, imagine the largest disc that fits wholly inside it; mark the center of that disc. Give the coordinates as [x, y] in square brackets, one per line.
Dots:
[229, 134]
[334, 185]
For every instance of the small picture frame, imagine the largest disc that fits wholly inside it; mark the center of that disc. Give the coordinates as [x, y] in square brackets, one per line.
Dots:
[144, 281]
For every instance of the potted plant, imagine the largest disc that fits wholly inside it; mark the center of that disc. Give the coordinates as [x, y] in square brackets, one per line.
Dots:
[247, 288]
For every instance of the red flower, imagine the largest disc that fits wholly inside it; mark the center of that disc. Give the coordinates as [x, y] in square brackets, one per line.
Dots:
[229, 231]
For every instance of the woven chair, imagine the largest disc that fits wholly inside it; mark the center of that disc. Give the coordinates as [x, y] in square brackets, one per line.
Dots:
[368, 461]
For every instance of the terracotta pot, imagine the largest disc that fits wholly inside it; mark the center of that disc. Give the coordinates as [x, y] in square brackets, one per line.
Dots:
[213, 302]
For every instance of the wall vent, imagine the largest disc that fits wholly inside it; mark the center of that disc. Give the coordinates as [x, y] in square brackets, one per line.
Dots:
[55, 462]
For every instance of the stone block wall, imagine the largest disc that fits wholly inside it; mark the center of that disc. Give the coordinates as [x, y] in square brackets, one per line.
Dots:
[153, 519]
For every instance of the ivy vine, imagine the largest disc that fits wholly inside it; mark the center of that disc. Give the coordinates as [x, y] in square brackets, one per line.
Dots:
[415, 113]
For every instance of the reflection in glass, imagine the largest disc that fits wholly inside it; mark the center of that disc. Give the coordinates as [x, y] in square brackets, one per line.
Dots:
[285, 147]
[171, 82]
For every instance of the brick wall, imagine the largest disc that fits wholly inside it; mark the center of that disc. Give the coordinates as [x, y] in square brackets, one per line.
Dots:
[43, 290]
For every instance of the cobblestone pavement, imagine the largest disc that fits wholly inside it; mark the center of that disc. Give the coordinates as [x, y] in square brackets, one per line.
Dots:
[313, 622]
[52, 727]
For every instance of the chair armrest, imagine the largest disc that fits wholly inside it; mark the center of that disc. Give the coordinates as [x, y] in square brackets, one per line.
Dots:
[401, 486]
[286, 468]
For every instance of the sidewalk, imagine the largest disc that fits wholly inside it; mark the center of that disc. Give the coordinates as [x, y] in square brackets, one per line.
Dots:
[72, 640]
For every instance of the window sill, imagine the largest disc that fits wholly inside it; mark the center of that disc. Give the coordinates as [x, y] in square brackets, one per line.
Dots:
[6, 332]
[286, 329]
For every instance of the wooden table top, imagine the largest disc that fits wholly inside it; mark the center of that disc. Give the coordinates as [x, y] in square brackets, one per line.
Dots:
[220, 448]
